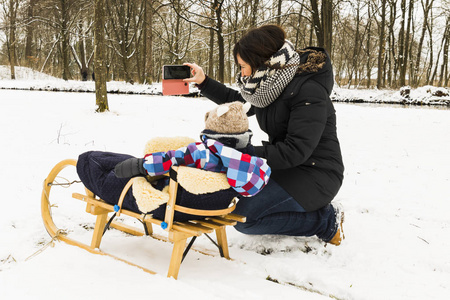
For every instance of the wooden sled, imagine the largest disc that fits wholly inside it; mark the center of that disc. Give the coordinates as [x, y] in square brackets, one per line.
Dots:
[178, 232]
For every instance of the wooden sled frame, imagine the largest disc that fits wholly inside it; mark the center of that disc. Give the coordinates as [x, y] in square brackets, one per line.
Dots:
[178, 232]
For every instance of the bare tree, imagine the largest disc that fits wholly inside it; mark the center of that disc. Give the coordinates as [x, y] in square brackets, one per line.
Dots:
[65, 47]
[125, 18]
[253, 12]
[148, 41]
[426, 11]
[443, 77]
[29, 58]
[357, 46]
[393, 59]
[404, 40]
[407, 44]
[12, 17]
[99, 56]
[368, 46]
[323, 23]
[381, 45]
[278, 16]
[82, 59]
[205, 20]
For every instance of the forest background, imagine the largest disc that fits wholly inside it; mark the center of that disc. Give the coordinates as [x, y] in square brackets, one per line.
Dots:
[373, 43]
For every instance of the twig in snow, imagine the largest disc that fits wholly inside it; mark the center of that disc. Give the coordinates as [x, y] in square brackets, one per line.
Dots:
[423, 240]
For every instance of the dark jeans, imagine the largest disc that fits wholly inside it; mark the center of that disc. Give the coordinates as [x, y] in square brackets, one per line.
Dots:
[274, 211]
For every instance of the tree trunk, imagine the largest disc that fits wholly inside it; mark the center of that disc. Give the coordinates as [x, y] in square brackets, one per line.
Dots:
[82, 49]
[148, 41]
[253, 14]
[368, 60]
[220, 40]
[444, 66]
[65, 39]
[436, 65]
[327, 22]
[279, 4]
[415, 75]
[392, 61]
[29, 59]
[316, 24]
[402, 40]
[124, 27]
[297, 31]
[120, 18]
[430, 46]
[405, 56]
[13, 5]
[99, 56]
[382, 49]
[356, 49]
[211, 54]
[210, 70]
[177, 35]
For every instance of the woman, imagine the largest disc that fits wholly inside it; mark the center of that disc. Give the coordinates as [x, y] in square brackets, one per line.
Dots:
[289, 92]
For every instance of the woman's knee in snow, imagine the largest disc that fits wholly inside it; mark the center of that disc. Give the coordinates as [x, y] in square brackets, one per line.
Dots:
[248, 227]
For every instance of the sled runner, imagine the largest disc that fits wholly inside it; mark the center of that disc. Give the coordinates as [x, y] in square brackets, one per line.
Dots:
[177, 232]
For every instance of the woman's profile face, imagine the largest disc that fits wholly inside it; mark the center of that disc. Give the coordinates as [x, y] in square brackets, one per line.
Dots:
[246, 70]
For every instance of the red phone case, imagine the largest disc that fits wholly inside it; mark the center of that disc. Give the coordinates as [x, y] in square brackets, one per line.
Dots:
[174, 87]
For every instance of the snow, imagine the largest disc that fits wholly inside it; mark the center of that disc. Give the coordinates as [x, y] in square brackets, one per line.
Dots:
[395, 195]
[28, 79]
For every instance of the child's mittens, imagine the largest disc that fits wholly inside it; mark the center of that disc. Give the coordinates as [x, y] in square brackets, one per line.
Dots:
[130, 168]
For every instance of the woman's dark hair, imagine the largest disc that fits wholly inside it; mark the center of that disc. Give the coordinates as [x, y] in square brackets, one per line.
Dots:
[259, 44]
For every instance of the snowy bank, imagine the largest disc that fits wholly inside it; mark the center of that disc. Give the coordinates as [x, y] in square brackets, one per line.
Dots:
[28, 79]
[426, 95]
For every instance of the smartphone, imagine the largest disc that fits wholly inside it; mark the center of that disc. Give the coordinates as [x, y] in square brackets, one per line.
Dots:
[176, 72]
[172, 81]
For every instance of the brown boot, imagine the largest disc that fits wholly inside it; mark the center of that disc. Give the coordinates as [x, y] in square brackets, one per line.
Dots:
[339, 236]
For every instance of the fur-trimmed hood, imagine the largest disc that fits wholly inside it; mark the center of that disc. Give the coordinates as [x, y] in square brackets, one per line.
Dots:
[315, 63]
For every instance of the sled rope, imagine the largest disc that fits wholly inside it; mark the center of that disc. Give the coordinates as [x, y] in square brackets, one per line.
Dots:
[192, 242]
[51, 243]
[108, 225]
[217, 245]
[143, 223]
[64, 184]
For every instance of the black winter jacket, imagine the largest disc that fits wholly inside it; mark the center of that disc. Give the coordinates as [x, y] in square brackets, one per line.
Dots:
[303, 149]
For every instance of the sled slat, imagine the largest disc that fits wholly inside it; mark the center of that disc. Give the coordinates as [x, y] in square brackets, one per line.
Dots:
[194, 227]
[127, 228]
[92, 201]
[208, 223]
[223, 221]
[204, 212]
[235, 217]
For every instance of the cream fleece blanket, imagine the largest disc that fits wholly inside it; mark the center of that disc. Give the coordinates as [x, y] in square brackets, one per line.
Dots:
[195, 181]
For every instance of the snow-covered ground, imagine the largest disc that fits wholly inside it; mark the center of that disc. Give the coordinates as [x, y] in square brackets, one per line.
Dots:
[396, 197]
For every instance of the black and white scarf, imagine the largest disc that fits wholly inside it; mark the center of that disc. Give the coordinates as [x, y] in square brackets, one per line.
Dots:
[239, 141]
[267, 83]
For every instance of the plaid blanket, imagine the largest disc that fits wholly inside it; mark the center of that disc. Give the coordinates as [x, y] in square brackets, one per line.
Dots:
[245, 173]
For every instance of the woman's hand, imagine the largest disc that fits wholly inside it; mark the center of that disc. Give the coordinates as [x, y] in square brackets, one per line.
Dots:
[197, 72]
